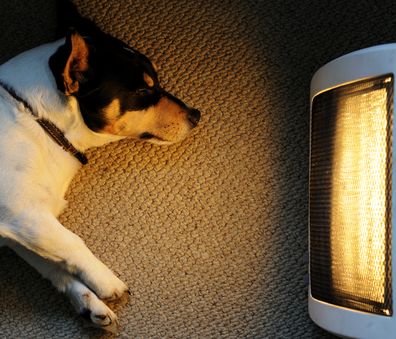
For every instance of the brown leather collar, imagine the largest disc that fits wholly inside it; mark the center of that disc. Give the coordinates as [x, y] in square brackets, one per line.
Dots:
[54, 132]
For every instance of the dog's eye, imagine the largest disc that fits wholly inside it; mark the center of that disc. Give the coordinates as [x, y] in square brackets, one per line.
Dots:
[144, 91]
[146, 136]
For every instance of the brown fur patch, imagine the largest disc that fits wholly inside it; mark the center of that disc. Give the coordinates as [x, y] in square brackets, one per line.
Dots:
[148, 80]
[112, 112]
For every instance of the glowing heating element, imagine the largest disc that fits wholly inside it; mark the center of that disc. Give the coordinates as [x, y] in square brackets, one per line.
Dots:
[350, 195]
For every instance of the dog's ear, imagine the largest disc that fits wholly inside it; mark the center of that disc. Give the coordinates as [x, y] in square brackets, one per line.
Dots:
[76, 64]
[70, 64]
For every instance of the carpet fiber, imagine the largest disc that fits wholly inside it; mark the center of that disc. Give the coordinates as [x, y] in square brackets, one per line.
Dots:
[210, 234]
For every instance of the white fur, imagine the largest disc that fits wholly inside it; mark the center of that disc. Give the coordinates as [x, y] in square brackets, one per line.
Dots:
[34, 175]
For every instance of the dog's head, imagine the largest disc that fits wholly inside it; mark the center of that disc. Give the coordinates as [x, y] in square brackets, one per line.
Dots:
[118, 91]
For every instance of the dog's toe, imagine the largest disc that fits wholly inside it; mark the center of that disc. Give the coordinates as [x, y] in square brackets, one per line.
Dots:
[118, 294]
[104, 319]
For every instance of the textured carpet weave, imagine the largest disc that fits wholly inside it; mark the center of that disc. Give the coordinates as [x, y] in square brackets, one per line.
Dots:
[209, 234]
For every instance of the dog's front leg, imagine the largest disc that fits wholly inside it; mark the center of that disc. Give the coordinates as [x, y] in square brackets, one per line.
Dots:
[43, 234]
[83, 299]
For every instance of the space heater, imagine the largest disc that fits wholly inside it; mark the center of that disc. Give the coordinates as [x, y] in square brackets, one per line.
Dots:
[351, 195]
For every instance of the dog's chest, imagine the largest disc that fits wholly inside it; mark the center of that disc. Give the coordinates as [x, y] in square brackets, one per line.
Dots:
[33, 169]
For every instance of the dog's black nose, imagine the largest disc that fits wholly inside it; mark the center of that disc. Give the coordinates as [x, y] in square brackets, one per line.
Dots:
[193, 116]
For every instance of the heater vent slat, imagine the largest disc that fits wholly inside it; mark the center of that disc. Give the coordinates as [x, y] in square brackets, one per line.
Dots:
[350, 195]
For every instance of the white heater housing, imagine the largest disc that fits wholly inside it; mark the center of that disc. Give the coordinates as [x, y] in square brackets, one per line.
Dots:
[352, 201]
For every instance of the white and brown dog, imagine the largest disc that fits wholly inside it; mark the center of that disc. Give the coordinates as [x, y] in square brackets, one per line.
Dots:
[56, 101]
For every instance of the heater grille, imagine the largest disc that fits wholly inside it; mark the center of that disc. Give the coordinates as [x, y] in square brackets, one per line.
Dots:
[350, 195]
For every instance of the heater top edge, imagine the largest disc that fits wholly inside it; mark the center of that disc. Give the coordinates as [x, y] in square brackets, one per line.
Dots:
[358, 65]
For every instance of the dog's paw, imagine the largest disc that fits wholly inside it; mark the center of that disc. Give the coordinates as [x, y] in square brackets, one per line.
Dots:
[111, 289]
[104, 282]
[98, 314]
[107, 286]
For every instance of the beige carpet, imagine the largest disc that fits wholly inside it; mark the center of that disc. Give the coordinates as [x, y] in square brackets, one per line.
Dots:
[209, 234]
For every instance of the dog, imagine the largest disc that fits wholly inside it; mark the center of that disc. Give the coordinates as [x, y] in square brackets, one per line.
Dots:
[57, 101]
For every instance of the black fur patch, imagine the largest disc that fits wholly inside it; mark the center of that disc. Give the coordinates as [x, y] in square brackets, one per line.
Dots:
[115, 70]
[114, 73]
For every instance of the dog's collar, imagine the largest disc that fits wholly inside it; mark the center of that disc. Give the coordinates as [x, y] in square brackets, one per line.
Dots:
[50, 128]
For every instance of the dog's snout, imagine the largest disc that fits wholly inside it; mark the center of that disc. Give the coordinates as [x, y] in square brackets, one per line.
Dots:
[194, 116]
